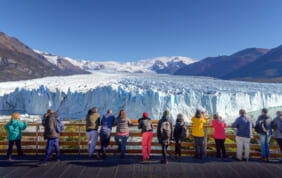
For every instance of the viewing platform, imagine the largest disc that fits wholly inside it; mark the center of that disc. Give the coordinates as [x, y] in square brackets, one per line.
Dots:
[75, 162]
[73, 166]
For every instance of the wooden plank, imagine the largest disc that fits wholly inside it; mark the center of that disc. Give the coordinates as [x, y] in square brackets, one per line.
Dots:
[184, 144]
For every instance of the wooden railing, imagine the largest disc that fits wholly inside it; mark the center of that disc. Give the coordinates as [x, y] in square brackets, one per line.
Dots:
[35, 143]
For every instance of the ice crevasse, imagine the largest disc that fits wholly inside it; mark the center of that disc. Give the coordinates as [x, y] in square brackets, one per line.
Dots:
[72, 96]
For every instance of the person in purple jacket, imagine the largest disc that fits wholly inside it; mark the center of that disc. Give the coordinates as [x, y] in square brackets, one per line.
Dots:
[244, 134]
[105, 132]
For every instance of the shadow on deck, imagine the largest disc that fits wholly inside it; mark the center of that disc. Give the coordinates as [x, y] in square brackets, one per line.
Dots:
[113, 166]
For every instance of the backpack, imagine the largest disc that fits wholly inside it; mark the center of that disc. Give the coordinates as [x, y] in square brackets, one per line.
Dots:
[181, 132]
[260, 127]
[165, 130]
[59, 125]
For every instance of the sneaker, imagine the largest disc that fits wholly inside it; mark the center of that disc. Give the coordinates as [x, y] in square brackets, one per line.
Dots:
[21, 155]
[98, 155]
[44, 163]
[164, 161]
[104, 156]
[237, 159]
[247, 159]
[58, 159]
[9, 159]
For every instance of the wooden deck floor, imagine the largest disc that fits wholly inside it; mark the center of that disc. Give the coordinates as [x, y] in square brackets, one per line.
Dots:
[80, 166]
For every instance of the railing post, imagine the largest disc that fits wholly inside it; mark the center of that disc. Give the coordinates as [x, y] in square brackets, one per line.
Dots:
[206, 142]
[79, 139]
[37, 138]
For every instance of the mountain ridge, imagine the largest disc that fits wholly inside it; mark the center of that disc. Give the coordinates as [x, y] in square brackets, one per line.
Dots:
[222, 65]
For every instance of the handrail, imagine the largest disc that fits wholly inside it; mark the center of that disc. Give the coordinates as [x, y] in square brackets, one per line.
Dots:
[80, 143]
[135, 123]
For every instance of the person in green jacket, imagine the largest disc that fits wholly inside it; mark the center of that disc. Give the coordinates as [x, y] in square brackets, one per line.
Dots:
[15, 127]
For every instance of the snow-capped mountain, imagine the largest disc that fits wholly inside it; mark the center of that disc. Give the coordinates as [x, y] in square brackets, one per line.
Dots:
[72, 96]
[165, 65]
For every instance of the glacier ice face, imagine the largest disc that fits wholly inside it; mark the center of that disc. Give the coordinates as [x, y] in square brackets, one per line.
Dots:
[72, 96]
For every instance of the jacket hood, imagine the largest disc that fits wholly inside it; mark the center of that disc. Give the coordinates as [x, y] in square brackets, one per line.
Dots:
[54, 114]
[180, 121]
[165, 117]
[90, 111]
[107, 115]
[197, 117]
[166, 113]
[144, 118]
[266, 116]
[14, 122]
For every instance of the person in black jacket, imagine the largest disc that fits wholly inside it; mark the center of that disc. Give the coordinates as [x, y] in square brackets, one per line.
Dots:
[263, 127]
[52, 136]
[165, 134]
[179, 134]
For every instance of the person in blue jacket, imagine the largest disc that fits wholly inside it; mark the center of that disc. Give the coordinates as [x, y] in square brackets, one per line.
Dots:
[244, 134]
[15, 127]
[105, 132]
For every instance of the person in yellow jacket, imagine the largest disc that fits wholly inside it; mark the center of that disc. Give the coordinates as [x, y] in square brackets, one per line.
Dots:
[198, 133]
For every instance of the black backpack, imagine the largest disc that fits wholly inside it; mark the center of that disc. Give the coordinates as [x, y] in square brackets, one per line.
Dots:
[181, 132]
[260, 127]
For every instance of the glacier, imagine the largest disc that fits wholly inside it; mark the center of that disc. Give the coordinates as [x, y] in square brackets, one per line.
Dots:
[72, 96]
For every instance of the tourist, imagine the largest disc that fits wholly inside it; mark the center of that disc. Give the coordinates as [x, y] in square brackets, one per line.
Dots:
[165, 134]
[92, 124]
[219, 136]
[45, 116]
[105, 132]
[277, 130]
[52, 136]
[179, 134]
[122, 132]
[263, 128]
[198, 133]
[15, 127]
[145, 124]
[244, 134]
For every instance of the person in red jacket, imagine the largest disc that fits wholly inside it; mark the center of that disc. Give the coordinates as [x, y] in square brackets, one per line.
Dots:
[219, 135]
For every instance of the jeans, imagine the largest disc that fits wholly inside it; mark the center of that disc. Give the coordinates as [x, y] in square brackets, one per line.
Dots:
[10, 148]
[164, 151]
[199, 143]
[279, 141]
[146, 144]
[122, 144]
[243, 141]
[49, 148]
[220, 148]
[105, 141]
[177, 147]
[92, 137]
[264, 145]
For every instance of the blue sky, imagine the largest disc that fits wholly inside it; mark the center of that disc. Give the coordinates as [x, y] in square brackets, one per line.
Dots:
[128, 30]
